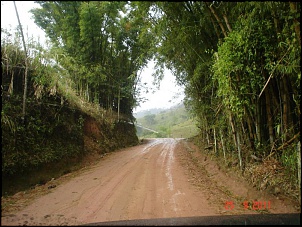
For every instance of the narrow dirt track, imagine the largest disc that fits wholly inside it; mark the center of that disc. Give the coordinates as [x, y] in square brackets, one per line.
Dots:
[146, 181]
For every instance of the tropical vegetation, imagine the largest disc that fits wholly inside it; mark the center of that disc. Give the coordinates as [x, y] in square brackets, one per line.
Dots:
[238, 61]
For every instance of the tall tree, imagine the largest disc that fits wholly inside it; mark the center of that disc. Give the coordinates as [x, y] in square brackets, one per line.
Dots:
[107, 42]
[26, 67]
[235, 59]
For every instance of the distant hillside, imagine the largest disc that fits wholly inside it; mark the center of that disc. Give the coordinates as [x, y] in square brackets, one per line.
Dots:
[143, 113]
[174, 122]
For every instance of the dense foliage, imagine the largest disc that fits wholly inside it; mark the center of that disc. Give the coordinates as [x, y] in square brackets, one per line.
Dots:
[51, 131]
[102, 45]
[240, 65]
[175, 122]
[238, 61]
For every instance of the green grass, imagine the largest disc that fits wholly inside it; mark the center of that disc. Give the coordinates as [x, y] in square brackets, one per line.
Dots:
[184, 129]
[175, 123]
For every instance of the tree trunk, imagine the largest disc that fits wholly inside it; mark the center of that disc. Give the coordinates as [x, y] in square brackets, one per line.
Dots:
[118, 104]
[239, 150]
[246, 138]
[299, 167]
[281, 130]
[222, 143]
[251, 134]
[208, 139]
[233, 129]
[80, 87]
[227, 22]
[87, 93]
[269, 116]
[276, 22]
[257, 122]
[293, 8]
[217, 18]
[26, 68]
[11, 85]
[236, 138]
[215, 143]
[285, 108]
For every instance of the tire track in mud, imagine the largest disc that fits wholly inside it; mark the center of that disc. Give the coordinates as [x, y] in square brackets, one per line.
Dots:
[144, 181]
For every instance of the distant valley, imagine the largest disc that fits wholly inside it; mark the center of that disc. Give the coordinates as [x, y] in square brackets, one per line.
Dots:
[175, 122]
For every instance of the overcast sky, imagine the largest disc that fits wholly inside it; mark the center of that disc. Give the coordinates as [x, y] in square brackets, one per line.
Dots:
[165, 97]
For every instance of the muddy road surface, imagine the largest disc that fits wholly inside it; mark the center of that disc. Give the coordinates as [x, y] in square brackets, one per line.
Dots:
[157, 179]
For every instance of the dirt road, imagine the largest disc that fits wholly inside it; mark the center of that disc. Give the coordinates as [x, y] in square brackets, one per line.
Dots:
[156, 179]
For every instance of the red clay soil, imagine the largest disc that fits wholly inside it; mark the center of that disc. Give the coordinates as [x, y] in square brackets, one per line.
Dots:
[158, 179]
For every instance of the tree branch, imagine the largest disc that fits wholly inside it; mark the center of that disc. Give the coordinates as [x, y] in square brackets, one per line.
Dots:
[288, 142]
[272, 74]
[217, 18]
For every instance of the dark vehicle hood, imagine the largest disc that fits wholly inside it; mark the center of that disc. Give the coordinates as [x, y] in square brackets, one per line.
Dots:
[246, 219]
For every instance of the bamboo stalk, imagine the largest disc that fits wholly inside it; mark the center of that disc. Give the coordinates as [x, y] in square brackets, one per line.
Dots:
[239, 150]
[26, 68]
[288, 142]
[271, 75]
[299, 167]
[227, 22]
[222, 143]
[217, 18]
[215, 142]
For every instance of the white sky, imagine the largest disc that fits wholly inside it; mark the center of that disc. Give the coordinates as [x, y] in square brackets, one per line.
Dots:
[9, 19]
[165, 97]
[168, 95]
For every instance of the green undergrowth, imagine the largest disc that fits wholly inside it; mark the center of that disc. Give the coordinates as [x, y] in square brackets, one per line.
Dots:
[273, 174]
[50, 143]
